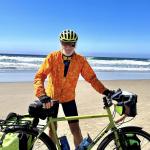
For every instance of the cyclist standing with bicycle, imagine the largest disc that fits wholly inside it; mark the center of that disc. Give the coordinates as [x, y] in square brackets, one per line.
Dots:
[63, 68]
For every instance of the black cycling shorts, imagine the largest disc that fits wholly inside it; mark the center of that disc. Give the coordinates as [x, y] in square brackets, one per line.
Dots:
[69, 108]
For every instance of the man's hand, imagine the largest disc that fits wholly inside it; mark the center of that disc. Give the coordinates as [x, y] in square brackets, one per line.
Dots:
[46, 100]
[108, 93]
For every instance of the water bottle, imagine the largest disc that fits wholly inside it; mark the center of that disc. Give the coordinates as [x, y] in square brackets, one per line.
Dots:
[64, 143]
[85, 143]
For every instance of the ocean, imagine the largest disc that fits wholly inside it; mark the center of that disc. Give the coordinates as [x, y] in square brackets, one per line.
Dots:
[16, 67]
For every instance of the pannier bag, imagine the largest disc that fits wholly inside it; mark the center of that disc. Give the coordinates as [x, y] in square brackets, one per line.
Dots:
[131, 142]
[10, 142]
[15, 141]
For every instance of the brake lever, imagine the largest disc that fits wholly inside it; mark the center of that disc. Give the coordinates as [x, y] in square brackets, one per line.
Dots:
[107, 102]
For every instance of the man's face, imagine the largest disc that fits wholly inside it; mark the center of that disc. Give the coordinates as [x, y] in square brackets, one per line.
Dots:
[68, 48]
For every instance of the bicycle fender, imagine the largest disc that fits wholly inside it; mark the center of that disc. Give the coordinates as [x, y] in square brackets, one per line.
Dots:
[130, 128]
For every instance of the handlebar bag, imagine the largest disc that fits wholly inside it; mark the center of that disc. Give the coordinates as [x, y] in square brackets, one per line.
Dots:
[127, 105]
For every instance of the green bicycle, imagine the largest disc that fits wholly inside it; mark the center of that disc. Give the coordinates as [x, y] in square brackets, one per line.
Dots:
[119, 138]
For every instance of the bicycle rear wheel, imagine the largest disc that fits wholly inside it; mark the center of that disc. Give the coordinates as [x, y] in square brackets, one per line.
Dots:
[109, 144]
[43, 143]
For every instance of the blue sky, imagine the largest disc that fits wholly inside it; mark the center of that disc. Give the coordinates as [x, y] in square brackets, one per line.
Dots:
[105, 27]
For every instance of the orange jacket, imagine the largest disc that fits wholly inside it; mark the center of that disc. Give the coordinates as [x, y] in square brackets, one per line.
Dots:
[59, 87]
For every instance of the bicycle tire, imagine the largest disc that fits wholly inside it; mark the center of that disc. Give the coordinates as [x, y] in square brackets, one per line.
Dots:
[44, 138]
[127, 130]
[47, 141]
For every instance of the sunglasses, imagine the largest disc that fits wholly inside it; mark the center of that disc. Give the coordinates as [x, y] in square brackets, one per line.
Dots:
[71, 44]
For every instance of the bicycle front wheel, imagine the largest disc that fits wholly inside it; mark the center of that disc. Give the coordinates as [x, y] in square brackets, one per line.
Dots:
[144, 137]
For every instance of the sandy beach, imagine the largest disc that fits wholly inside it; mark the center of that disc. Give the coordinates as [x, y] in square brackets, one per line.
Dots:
[15, 97]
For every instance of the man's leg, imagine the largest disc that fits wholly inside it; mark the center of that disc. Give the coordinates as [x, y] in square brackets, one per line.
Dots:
[70, 109]
[76, 132]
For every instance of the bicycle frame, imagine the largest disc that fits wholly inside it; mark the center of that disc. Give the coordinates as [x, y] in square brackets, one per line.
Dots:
[111, 126]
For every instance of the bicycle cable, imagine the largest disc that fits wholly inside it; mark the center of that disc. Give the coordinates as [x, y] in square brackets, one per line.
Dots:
[119, 124]
[125, 121]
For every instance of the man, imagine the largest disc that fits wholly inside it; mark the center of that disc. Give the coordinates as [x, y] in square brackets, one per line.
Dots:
[63, 68]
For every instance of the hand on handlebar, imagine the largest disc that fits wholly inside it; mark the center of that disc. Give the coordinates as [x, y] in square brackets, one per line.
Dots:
[108, 92]
[46, 100]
